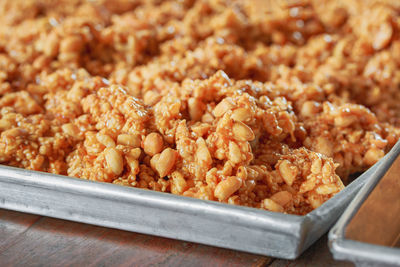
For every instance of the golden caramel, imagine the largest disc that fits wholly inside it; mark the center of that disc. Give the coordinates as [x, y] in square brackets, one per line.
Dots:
[265, 104]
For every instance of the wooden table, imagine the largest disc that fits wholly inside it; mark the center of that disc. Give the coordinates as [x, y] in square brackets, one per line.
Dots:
[31, 240]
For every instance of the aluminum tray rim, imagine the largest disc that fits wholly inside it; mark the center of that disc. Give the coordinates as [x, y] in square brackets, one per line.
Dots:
[132, 209]
[359, 252]
[150, 198]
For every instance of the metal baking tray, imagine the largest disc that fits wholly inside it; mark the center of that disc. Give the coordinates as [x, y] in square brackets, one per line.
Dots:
[365, 234]
[167, 215]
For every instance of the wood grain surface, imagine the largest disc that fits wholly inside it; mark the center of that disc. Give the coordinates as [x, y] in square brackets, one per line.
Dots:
[31, 240]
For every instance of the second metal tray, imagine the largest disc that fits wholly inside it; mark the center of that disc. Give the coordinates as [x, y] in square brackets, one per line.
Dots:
[207, 222]
[374, 224]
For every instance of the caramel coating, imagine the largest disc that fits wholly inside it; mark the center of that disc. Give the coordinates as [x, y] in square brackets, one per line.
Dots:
[265, 104]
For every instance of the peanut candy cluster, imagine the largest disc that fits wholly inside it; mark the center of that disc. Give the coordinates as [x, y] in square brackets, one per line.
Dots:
[265, 104]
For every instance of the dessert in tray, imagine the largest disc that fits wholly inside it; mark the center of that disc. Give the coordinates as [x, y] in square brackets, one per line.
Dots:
[266, 104]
